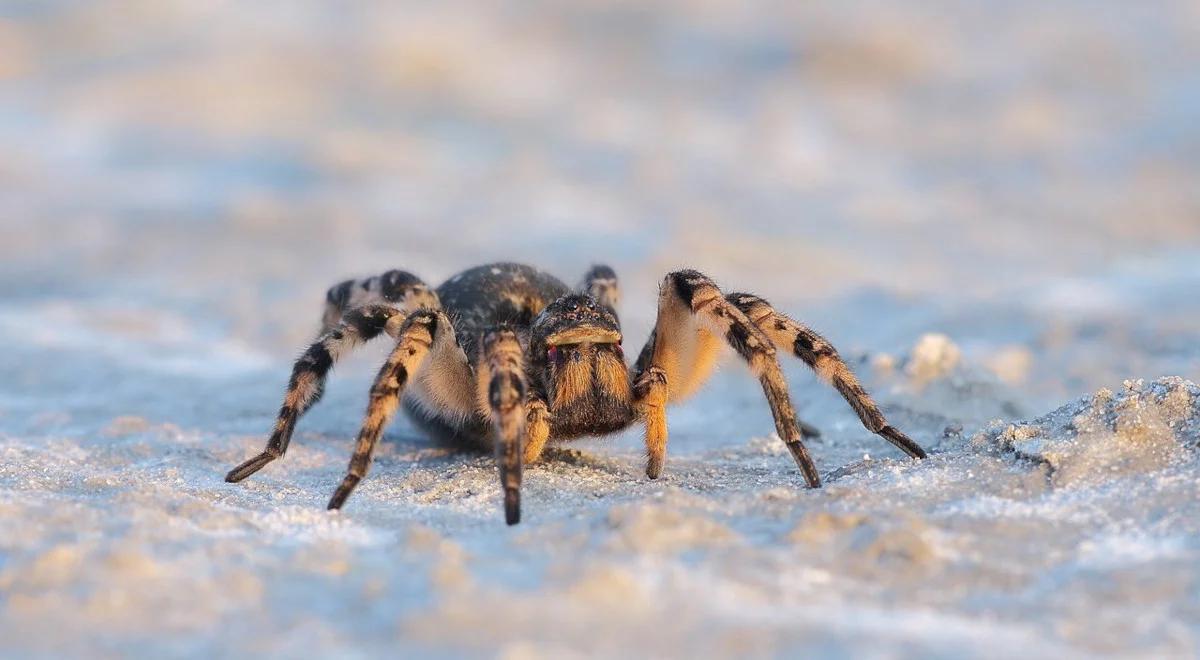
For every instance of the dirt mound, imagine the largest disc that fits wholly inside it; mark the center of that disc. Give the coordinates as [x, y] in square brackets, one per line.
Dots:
[1140, 429]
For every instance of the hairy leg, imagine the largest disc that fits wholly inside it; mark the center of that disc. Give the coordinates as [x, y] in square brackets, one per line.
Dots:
[694, 319]
[419, 333]
[600, 282]
[397, 288]
[537, 428]
[502, 387]
[823, 358]
[650, 394]
[307, 383]
[355, 313]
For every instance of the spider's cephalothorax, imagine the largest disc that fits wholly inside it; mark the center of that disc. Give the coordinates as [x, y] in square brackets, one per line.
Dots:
[578, 368]
[507, 357]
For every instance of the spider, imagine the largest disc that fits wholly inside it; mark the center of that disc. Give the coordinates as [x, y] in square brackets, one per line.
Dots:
[506, 357]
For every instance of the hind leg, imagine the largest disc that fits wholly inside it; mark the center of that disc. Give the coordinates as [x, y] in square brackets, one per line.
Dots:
[395, 287]
[815, 351]
[600, 282]
[356, 311]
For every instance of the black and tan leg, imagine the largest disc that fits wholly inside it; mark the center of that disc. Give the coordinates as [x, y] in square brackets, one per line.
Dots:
[694, 321]
[650, 395]
[396, 287]
[600, 282]
[307, 383]
[793, 336]
[537, 427]
[422, 331]
[502, 390]
[356, 311]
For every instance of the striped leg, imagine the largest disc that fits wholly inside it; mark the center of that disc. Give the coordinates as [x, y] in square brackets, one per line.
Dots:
[821, 356]
[501, 388]
[600, 282]
[396, 288]
[420, 331]
[650, 393]
[356, 311]
[307, 383]
[537, 428]
[693, 320]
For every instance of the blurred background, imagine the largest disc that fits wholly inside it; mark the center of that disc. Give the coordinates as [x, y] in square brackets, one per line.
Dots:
[181, 180]
[225, 152]
[237, 159]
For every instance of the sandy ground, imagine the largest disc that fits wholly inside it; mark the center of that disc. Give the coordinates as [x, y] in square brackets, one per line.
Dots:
[990, 208]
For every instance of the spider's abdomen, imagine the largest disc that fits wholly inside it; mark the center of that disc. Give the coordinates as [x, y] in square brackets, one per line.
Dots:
[501, 294]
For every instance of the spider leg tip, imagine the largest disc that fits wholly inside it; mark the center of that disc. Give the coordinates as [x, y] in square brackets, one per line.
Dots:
[903, 442]
[238, 474]
[654, 469]
[512, 507]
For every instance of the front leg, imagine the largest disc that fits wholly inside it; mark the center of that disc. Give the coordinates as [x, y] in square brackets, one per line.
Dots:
[694, 319]
[650, 394]
[537, 427]
[501, 388]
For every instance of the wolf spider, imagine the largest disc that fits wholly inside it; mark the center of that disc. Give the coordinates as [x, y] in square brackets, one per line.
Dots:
[507, 357]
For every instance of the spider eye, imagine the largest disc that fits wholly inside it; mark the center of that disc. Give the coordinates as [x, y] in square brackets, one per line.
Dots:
[552, 353]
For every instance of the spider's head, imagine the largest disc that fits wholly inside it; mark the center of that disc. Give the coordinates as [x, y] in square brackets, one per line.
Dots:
[576, 353]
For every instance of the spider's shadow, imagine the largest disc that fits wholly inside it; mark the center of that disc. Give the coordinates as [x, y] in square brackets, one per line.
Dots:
[415, 448]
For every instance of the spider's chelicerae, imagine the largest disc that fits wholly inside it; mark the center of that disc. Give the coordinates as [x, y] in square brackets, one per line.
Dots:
[507, 357]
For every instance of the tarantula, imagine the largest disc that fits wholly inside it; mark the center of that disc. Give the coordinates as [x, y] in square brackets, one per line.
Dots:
[507, 357]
